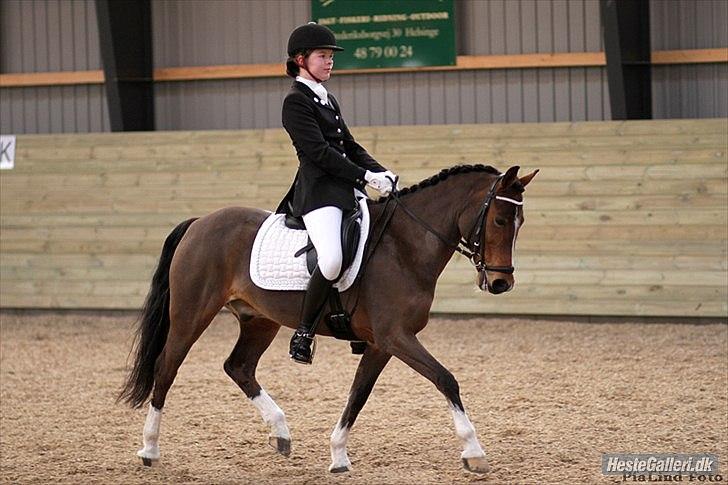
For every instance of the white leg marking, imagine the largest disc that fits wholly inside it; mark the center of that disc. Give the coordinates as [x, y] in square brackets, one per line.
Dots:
[272, 415]
[466, 432]
[339, 458]
[150, 436]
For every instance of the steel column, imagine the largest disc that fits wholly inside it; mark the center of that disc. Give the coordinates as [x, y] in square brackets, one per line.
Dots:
[125, 34]
[626, 31]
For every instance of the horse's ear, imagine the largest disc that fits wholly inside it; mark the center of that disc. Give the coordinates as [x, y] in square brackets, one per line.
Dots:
[527, 178]
[510, 176]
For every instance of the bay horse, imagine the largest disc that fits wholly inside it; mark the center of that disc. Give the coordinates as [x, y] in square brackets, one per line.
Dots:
[204, 266]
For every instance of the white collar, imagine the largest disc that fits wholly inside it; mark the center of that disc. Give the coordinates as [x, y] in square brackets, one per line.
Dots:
[317, 88]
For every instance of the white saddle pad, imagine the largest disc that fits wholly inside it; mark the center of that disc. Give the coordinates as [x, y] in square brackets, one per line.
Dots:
[273, 265]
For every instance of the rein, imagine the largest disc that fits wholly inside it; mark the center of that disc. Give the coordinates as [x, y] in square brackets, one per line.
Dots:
[470, 247]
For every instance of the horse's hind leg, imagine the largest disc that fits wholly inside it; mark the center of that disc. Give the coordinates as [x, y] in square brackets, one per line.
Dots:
[409, 350]
[186, 326]
[370, 366]
[256, 335]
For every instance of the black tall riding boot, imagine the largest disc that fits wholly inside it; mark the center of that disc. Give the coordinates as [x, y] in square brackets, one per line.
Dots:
[313, 302]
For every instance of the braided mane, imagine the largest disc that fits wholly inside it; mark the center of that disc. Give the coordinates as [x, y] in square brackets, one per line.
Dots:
[442, 175]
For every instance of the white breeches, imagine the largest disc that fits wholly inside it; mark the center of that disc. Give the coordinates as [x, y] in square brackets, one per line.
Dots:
[324, 229]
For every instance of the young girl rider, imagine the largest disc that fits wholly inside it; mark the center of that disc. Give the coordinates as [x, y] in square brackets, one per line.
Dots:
[331, 167]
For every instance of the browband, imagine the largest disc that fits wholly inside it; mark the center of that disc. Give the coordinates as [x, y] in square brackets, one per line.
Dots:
[506, 199]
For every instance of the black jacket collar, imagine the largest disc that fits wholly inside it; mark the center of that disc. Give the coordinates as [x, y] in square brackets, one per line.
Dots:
[313, 96]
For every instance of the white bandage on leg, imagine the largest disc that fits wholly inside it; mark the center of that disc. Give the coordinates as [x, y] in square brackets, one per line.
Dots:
[466, 432]
[324, 229]
[150, 436]
[339, 458]
[272, 415]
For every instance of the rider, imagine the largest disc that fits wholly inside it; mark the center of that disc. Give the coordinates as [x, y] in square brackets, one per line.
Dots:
[332, 166]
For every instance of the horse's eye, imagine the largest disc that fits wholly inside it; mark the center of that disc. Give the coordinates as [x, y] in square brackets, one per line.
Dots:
[500, 222]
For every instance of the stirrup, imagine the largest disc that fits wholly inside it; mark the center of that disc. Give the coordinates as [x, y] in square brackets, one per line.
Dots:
[304, 348]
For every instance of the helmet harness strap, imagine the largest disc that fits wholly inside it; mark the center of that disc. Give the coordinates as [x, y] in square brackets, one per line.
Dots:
[304, 65]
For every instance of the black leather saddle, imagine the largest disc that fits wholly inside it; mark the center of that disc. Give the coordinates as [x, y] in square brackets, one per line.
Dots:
[350, 235]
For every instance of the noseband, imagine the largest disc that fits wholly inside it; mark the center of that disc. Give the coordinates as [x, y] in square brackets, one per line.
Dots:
[470, 247]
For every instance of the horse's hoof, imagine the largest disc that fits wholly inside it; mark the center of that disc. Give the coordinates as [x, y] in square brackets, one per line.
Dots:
[150, 462]
[478, 464]
[339, 469]
[281, 445]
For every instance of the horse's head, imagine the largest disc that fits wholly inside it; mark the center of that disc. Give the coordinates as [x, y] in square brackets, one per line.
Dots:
[493, 235]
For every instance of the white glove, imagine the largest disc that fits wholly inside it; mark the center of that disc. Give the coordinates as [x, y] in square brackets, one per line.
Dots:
[379, 182]
[390, 175]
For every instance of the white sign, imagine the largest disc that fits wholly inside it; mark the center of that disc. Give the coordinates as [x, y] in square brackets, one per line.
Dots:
[7, 152]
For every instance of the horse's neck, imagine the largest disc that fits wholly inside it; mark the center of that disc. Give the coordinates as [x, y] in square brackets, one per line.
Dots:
[439, 206]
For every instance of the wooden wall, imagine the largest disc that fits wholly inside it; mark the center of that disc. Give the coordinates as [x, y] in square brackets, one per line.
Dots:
[625, 218]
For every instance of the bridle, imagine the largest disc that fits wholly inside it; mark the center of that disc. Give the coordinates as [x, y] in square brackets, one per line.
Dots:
[469, 247]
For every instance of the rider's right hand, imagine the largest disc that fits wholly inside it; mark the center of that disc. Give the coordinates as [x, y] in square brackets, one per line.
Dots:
[379, 182]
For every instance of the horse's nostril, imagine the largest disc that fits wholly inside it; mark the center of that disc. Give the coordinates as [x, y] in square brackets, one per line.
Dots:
[499, 286]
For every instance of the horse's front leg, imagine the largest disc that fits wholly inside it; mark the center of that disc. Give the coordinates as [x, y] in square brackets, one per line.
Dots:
[370, 366]
[409, 350]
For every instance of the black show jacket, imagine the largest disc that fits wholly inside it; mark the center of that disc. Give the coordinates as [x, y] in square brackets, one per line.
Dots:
[331, 163]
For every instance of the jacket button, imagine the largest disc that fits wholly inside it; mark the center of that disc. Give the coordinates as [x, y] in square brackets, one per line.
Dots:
[338, 130]
[344, 154]
[315, 100]
[337, 117]
[341, 142]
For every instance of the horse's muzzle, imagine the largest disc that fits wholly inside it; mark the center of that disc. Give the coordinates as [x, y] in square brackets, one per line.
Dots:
[499, 286]
[496, 287]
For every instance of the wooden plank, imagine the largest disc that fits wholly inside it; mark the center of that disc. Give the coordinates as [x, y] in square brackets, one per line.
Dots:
[615, 277]
[57, 300]
[477, 145]
[691, 56]
[553, 160]
[256, 179]
[638, 247]
[644, 236]
[56, 78]
[620, 261]
[527, 247]
[635, 293]
[79, 288]
[617, 307]
[476, 62]
[151, 246]
[464, 131]
[559, 166]
[627, 187]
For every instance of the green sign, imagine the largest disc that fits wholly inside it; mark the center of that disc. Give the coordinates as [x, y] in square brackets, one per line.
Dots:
[389, 33]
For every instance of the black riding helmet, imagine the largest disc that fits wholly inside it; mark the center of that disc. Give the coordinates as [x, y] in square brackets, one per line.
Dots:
[311, 36]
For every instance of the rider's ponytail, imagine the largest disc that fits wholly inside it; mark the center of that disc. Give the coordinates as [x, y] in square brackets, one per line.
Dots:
[292, 68]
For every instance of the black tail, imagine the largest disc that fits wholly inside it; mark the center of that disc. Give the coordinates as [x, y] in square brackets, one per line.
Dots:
[152, 326]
